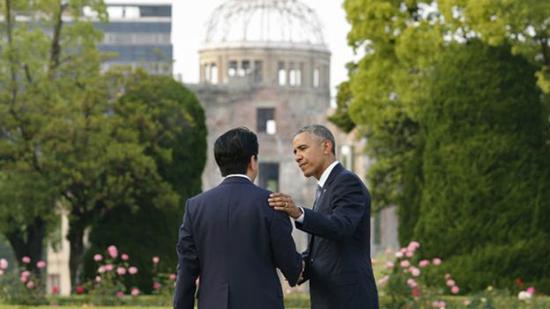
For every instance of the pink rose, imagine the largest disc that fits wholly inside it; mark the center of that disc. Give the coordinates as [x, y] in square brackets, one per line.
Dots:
[411, 248]
[412, 283]
[156, 260]
[424, 263]
[4, 264]
[135, 292]
[389, 265]
[121, 271]
[101, 269]
[405, 263]
[383, 280]
[26, 260]
[25, 274]
[132, 270]
[398, 254]
[113, 251]
[439, 304]
[414, 245]
[523, 295]
[125, 257]
[173, 277]
[436, 261]
[23, 279]
[98, 257]
[531, 290]
[108, 267]
[455, 289]
[119, 294]
[30, 285]
[41, 264]
[414, 271]
[451, 283]
[98, 279]
[156, 285]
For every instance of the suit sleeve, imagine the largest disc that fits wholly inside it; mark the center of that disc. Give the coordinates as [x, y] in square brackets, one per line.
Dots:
[348, 203]
[284, 250]
[188, 265]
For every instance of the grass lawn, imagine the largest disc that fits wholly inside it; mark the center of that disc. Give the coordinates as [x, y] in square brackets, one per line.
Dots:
[302, 302]
[292, 301]
[69, 307]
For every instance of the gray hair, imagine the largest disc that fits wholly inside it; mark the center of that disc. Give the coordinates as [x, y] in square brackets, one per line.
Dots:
[321, 132]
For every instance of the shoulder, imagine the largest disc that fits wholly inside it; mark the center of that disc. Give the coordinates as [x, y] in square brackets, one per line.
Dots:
[346, 181]
[193, 201]
[345, 176]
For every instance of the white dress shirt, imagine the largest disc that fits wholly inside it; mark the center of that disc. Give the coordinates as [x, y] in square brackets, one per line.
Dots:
[321, 183]
[237, 175]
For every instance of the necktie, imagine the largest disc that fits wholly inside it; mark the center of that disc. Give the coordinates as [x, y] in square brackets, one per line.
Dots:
[317, 195]
[310, 238]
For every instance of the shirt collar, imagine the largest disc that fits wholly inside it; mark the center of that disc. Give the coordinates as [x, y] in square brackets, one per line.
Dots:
[238, 175]
[326, 173]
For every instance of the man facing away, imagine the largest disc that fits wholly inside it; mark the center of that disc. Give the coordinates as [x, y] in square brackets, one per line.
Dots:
[338, 263]
[232, 240]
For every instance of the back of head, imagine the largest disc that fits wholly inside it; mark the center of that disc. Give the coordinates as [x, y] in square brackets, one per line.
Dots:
[233, 150]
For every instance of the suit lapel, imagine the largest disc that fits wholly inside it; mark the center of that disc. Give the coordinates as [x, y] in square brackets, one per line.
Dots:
[319, 205]
[332, 176]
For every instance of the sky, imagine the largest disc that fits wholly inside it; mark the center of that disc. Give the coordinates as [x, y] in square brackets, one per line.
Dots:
[189, 23]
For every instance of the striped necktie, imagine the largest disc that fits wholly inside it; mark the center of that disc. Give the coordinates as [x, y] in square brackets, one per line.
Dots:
[317, 195]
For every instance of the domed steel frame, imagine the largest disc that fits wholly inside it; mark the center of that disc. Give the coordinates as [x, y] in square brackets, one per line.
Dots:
[269, 22]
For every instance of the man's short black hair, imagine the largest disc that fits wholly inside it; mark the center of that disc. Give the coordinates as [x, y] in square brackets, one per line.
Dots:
[321, 132]
[233, 150]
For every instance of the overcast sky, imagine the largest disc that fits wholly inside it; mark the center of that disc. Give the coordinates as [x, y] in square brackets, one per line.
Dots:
[190, 18]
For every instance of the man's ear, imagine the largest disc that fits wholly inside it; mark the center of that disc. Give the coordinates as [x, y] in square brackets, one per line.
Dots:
[253, 162]
[327, 147]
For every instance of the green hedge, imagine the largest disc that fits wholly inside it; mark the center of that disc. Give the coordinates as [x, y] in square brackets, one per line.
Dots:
[485, 202]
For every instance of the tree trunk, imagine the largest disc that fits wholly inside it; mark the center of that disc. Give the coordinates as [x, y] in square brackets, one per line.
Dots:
[29, 243]
[75, 236]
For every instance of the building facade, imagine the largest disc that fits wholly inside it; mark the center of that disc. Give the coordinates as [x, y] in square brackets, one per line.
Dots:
[264, 65]
[138, 34]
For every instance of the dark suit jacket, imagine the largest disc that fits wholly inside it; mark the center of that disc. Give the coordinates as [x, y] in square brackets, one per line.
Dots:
[338, 262]
[233, 241]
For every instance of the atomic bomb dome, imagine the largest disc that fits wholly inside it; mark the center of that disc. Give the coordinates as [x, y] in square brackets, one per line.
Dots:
[264, 64]
[264, 23]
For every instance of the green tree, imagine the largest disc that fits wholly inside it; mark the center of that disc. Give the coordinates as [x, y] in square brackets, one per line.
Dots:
[170, 121]
[400, 40]
[341, 117]
[25, 213]
[61, 125]
[523, 25]
[36, 62]
[387, 88]
[485, 201]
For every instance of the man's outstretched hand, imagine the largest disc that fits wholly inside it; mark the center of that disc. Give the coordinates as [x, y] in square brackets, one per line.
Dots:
[285, 203]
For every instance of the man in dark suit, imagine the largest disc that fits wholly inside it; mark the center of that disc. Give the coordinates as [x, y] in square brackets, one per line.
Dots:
[338, 263]
[232, 240]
